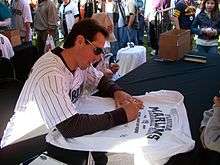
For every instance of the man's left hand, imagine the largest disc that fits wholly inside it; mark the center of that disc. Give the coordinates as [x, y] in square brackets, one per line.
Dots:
[122, 97]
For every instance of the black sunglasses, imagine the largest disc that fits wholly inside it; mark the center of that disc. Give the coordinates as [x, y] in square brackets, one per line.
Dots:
[96, 50]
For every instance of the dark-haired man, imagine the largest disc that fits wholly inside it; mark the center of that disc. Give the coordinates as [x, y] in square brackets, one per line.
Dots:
[56, 82]
[45, 22]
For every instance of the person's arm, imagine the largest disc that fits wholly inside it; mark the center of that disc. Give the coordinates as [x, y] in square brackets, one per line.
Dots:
[6, 22]
[52, 17]
[206, 116]
[176, 22]
[52, 97]
[108, 87]
[217, 29]
[212, 130]
[27, 21]
[195, 27]
[85, 124]
[132, 13]
[76, 13]
[27, 26]
[176, 14]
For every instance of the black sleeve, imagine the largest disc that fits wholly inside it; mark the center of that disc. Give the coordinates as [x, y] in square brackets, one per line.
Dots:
[107, 87]
[84, 124]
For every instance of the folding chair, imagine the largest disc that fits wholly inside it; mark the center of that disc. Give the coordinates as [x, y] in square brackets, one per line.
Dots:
[6, 69]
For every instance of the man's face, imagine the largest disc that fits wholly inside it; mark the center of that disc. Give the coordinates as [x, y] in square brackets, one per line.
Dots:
[88, 55]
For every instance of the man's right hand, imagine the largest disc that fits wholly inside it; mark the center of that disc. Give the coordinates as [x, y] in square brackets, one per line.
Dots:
[132, 109]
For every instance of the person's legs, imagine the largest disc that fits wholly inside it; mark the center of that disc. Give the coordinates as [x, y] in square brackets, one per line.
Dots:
[68, 156]
[140, 31]
[133, 35]
[122, 37]
[115, 45]
[152, 36]
[41, 41]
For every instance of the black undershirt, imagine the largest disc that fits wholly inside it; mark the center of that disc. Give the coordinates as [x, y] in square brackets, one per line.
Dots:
[84, 124]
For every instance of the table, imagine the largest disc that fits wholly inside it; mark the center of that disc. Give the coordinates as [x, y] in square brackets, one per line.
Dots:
[197, 82]
[130, 58]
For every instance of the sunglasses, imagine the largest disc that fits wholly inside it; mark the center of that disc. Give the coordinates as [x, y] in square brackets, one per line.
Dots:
[96, 50]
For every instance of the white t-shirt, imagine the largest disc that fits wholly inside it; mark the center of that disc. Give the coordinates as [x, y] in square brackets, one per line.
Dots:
[21, 13]
[70, 11]
[125, 8]
[109, 6]
[160, 131]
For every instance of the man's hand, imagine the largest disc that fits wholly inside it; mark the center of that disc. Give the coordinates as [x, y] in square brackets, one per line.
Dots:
[123, 98]
[114, 67]
[131, 109]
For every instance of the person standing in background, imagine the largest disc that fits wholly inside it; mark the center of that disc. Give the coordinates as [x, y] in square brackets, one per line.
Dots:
[5, 16]
[69, 15]
[184, 14]
[210, 127]
[132, 25]
[22, 18]
[45, 22]
[207, 26]
[151, 8]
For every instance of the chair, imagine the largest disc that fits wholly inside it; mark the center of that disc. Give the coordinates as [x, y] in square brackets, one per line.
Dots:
[23, 60]
[6, 68]
[9, 92]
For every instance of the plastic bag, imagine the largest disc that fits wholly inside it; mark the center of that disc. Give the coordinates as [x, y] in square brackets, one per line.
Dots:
[49, 43]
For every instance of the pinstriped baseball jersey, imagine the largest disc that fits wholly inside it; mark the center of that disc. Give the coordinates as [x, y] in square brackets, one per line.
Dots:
[55, 89]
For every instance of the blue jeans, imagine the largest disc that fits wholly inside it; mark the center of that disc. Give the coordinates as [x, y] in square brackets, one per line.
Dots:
[122, 37]
[207, 50]
[115, 45]
[132, 35]
[140, 32]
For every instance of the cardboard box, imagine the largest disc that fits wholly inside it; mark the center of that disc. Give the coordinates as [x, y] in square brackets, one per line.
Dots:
[13, 35]
[174, 44]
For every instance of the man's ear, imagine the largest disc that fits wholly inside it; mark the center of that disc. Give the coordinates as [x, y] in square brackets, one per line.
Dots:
[80, 40]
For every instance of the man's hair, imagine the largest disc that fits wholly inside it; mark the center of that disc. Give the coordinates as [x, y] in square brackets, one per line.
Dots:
[88, 28]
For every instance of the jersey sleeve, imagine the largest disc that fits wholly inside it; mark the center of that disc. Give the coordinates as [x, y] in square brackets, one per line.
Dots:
[178, 9]
[53, 100]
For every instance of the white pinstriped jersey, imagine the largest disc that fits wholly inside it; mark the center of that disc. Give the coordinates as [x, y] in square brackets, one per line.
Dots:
[54, 89]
